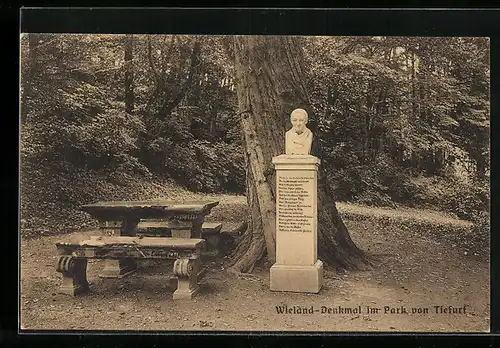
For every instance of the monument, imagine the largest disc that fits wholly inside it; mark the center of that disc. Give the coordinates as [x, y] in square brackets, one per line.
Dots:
[297, 267]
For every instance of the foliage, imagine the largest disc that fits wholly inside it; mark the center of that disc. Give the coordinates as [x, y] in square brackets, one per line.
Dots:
[207, 168]
[197, 141]
[78, 142]
[389, 109]
[69, 116]
[400, 120]
[380, 184]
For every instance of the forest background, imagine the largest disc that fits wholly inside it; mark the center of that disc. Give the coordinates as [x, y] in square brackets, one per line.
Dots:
[402, 121]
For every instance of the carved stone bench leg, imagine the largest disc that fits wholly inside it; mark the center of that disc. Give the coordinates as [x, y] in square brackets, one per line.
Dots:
[201, 273]
[74, 275]
[186, 271]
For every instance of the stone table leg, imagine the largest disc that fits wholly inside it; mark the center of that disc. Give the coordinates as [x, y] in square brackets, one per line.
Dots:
[186, 226]
[197, 227]
[181, 229]
[74, 272]
[186, 271]
[122, 267]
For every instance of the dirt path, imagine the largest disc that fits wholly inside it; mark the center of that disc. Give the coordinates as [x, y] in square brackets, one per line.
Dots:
[415, 272]
[403, 214]
[237, 204]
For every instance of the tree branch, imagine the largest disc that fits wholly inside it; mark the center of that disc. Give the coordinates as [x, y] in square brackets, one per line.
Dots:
[151, 63]
[168, 106]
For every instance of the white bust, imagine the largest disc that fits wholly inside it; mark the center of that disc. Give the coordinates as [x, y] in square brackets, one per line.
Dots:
[298, 140]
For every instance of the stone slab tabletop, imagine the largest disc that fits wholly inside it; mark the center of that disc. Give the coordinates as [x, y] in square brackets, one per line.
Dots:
[206, 227]
[146, 209]
[97, 241]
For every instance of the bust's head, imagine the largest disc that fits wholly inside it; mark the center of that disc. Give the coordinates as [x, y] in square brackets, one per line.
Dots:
[299, 117]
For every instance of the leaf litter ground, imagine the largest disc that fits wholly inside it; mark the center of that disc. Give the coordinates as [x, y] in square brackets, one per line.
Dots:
[426, 260]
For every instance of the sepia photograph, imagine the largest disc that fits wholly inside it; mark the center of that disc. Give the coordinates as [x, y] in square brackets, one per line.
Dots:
[253, 183]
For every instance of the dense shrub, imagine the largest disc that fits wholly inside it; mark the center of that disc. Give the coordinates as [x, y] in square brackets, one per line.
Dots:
[482, 227]
[379, 184]
[467, 200]
[383, 120]
[206, 167]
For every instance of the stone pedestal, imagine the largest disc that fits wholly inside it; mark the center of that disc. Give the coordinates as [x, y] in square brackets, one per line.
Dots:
[297, 267]
[186, 271]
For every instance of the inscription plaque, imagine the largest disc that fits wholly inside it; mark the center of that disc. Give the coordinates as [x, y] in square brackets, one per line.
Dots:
[295, 206]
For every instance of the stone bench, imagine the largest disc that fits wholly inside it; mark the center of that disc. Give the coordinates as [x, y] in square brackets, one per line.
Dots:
[210, 232]
[75, 252]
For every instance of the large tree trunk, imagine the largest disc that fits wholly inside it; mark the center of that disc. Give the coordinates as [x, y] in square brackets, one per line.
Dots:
[270, 84]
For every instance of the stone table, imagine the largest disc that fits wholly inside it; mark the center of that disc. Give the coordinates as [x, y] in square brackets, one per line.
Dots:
[120, 218]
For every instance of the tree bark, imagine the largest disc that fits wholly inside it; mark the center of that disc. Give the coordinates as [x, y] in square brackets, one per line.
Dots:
[270, 84]
[129, 75]
[413, 87]
[27, 76]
